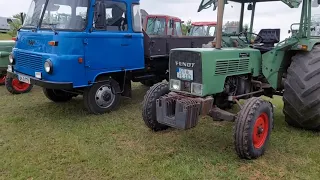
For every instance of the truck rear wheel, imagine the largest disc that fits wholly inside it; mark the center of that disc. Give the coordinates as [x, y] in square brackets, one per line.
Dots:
[253, 128]
[149, 106]
[102, 97]
[57, 95]
[301, 91]
[2, 79]
[14, 86]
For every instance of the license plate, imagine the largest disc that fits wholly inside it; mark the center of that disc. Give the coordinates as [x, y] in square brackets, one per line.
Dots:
[185, 74]
[24, 79]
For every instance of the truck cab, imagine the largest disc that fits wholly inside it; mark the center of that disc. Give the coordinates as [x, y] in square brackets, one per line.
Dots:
[94, 48]
[163, 25]
[202, 29]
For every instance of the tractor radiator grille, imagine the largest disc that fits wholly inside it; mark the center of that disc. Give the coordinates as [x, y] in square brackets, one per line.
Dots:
[224, 67]
[184, 56]
[28, 60]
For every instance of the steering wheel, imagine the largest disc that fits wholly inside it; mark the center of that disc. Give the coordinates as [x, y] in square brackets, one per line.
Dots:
[245, 33]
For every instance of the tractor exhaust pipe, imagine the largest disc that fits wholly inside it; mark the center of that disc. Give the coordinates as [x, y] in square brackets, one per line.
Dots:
[219, 23]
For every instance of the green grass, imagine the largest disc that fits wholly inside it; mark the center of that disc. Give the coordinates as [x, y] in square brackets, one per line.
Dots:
[5, 36]
[43, 140]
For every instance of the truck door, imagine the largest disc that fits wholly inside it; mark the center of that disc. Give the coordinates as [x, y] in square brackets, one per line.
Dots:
[111, 46]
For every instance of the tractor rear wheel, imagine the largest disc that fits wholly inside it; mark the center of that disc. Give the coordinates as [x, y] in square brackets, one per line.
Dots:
[301, 91]
[149, 106]
[253, 128]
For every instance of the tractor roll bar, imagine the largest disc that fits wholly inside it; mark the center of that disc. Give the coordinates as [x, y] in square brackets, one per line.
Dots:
[219, 23]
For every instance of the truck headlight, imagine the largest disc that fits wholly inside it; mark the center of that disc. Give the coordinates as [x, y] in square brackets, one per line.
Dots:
[11, 58]
[196, 89]
[175, 84]
[48, 67]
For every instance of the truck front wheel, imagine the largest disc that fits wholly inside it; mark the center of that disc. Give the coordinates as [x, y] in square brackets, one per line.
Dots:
[14, 86]
[57, 95]
[102, 97]
[301, 91]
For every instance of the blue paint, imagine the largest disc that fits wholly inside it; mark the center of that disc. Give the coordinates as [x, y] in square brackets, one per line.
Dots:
[102, 51]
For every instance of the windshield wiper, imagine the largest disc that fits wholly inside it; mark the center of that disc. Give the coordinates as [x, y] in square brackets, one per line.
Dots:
[153, 20]
[51, 27]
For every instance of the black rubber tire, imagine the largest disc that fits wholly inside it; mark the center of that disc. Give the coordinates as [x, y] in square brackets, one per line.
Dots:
[301, 91]
[90, 101]
[149, 106]
[57, 95]
[12, 90]
[244, 126]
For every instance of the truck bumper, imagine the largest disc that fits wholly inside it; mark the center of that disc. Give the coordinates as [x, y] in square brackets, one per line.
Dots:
[45, 84]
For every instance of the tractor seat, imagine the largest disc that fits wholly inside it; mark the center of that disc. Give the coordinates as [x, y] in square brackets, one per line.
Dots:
[269, 38]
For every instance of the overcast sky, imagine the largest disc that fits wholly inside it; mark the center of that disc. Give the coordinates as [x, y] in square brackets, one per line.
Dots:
[268, 15]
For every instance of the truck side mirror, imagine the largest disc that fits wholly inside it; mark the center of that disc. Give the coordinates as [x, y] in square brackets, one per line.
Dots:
[289, 31]
[249, 7]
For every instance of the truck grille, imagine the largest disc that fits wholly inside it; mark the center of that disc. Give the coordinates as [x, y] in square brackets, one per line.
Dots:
[28, 60]
[186, 57]
[224, 67]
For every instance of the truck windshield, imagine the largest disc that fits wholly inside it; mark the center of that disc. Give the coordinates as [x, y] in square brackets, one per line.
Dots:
[156, 26]
[59, 14]
[198, 31]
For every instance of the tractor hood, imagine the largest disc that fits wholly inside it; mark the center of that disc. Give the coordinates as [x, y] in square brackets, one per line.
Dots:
[205, 4]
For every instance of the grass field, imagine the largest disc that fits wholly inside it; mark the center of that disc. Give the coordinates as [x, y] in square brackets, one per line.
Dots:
[43, 140]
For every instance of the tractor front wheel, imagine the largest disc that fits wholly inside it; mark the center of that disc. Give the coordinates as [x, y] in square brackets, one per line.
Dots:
[14, 86]
[102, 97]
[301, 91]
[149, 106]
[2, 79]
[57, 95]
[253, 128]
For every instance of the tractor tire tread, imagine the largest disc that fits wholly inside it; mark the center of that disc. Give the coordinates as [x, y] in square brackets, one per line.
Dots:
[301, 100]
[149, 106]
[242, 127]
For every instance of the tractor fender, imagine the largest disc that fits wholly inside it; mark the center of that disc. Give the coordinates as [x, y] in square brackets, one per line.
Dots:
[310, 43]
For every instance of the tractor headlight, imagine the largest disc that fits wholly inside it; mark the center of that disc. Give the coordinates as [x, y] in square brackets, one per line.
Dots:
[11, 58]
[175, 84]
[196, 89]
[48, 67]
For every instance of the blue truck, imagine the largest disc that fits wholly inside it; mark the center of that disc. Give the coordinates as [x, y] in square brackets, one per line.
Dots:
[94, 48]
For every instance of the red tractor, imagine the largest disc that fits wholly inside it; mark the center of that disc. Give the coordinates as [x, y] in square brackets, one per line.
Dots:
[202, 29]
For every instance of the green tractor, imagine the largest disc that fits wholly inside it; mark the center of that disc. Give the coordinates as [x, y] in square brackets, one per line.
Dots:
[13, 85]
[5, 49]
[202, 81]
